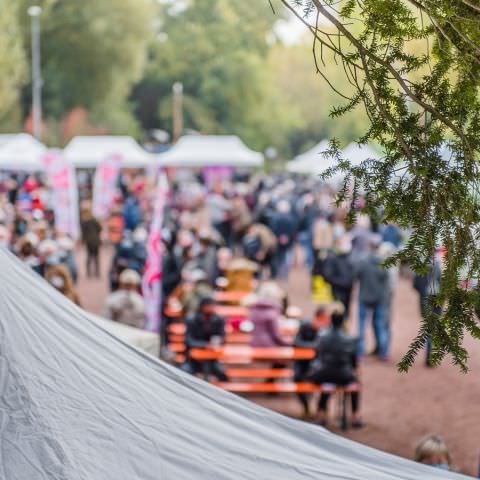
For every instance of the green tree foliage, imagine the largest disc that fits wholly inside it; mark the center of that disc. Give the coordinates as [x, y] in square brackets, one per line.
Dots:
[12, 63]
[93, 51]
[218, 50]
[418, 103]
[294, 75]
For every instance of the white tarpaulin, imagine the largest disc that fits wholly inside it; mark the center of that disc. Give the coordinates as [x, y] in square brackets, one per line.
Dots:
[89, 152]
[22, 152]
[77, 403]
[210, 151]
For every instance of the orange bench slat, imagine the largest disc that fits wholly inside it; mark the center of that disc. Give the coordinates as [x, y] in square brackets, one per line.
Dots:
[284, 387]
[259, 373]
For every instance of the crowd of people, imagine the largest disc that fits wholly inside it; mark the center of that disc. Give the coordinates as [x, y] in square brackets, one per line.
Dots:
[243, 234]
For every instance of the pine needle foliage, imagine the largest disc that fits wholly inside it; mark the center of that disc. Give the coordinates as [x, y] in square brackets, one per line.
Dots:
[414, 65]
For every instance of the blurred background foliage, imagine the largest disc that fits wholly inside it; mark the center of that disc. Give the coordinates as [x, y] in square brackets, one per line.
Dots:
[109, 65]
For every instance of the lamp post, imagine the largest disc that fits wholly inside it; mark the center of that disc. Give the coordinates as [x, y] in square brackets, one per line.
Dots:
[177, 90]
[35, 12]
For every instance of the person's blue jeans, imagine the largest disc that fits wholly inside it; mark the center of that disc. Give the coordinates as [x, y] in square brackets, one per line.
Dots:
[379, 328]
[283, 262]
[305, 241]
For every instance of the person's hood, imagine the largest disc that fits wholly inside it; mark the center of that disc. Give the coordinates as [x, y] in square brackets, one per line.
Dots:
[265, 304]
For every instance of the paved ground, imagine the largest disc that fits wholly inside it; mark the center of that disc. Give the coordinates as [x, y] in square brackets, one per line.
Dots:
[398, 408]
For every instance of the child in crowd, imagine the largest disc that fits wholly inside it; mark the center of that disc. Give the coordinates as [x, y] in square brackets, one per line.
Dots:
[432, 450]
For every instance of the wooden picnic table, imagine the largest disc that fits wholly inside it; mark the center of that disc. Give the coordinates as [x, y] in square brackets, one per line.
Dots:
[230, 311]
[245, 353]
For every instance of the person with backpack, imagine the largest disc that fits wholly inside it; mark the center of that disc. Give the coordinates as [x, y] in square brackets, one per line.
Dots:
[373, 294]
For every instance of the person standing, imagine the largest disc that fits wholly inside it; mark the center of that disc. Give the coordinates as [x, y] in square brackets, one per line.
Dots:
[220, 213]
[91, 230]
[428, 288]
[284, 227]
[339, 272]
[373, 292]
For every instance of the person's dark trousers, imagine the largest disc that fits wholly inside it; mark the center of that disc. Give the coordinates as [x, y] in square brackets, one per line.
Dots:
[225, 230]
[325, 397]
[93, 260]
[343, 295]
[281, 261]
[301, 369]
[205, 368]
[424, 301]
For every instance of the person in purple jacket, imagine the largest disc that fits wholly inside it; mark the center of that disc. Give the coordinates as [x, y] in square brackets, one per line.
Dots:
[265, 313]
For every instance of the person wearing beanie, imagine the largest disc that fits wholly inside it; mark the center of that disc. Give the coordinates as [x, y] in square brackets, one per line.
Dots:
[204, 329]
[126, 305]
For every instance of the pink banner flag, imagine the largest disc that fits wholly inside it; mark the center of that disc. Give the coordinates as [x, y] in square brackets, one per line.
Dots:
[63, 182]
[105, 185]
[152, 277]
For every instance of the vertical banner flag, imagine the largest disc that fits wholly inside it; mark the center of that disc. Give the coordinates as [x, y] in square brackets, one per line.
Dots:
[104, 185]
[62, 178]
[152, 276]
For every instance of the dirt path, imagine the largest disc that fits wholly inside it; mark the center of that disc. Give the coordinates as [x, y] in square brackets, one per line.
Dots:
[398, 408]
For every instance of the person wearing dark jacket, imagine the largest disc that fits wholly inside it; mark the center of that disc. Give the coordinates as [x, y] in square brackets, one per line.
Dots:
[204, 329]
[284, 226]
[91, 230]
[307, 337]
[336, 363]
[339, 272]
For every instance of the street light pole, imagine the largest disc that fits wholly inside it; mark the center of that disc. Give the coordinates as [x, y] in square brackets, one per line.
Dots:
[177, 110]
[35, 12]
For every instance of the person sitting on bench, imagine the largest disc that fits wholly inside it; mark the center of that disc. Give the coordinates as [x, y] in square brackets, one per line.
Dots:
[205, 329]
[336, 363]
[307, 337]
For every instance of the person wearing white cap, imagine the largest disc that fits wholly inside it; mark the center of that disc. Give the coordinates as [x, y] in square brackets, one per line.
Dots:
[126, 305]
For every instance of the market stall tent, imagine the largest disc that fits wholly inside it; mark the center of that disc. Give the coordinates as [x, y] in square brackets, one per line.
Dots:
[77, 403]
[21, 152]
[357, 154]
[210, 151]
[311, 162]
[90, 151]
[6, 137]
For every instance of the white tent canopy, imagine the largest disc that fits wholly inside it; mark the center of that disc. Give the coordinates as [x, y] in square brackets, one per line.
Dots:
[90, 151]
[312, 162]
[358, 153]
[76, 403]
[210, 151]
[21, 152]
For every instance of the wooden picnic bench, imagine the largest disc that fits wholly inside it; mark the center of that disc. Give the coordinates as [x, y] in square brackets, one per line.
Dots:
[249, 388]
[179, 329]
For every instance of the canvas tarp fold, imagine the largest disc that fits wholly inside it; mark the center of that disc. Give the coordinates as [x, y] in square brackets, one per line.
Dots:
[76, 403]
